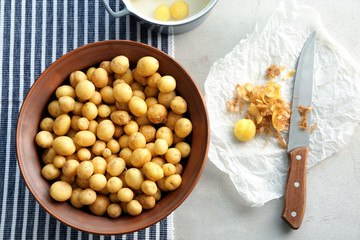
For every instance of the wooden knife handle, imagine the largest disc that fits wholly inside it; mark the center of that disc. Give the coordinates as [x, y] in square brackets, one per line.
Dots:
[295, 190]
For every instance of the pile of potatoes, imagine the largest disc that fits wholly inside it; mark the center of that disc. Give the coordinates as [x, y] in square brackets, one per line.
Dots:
[115, 137]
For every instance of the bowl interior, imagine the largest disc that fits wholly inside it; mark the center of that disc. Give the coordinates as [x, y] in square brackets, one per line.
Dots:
[36, 101]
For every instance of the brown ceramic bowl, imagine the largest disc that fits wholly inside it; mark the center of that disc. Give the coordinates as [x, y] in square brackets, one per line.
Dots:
[29, 159]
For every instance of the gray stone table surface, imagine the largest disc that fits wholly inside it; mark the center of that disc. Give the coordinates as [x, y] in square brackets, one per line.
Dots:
[214, 210]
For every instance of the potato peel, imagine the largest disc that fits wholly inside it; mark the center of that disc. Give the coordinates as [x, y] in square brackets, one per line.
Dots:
[266, 108]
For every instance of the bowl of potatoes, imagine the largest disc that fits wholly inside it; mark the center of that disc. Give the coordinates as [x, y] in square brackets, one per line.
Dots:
[112, 137]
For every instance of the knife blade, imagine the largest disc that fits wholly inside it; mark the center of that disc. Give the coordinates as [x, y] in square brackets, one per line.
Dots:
[298, 145]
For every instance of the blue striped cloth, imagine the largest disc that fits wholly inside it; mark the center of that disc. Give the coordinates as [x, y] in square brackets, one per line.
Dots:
[33, 34]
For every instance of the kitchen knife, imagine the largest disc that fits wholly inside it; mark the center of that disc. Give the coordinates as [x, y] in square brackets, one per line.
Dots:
[298, 145]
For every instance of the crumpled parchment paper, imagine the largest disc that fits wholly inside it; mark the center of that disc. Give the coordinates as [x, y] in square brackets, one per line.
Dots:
[259, 173]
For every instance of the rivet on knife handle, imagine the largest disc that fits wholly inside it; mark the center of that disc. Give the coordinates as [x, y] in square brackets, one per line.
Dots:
[295, 190]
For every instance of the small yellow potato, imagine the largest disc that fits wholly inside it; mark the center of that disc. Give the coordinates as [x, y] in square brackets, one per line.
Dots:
[172, 117]
[125, 194]
[113, 145]
[97, 182]
[184, 149]
[179, 10]
[177, 139]
[65, 90]
[153, 171]
[139, 94]
[142, 120]
[166, 98]
[114, 210]
[134, 208]
[245, 130]
[85, 170]
[70, 168]
[105, 130]
[137, 140]
[74, 123]
[137, 106]
[149, 132]
[126, 77]
[161, 184]
[64, 145]
[100, 205]
[157, 195]
[131, 127]
[153, 80]
[158, 161]
[107, 95]
[118, 131]
[83, 154]
[151, 101]
[134, 178]
[107, 66]
[87, 196]
[147, 202]
[59, 161]
[100, 165]
[173, 155]
[96, 98]
[66, 103]
[89, 110]
[44, 139]
[120, 64]
[162, 13]
[173, 182]
[167, 84]
[47, 124]
[165, 133]
[54, 109]
[76, 77]
[161, 146]
[92, 126]
[122, 106]
[106, 153]
[74, 200]
[151, 91]
[89, 72]
[149, 187]
[69, 180]
[124, 141]
[142, 81]
[98, 147]
[116, 166]
[50, 172]
[139, 157]
[147, 66]
[114, 184]
[83, 123]
[100, 77]
[60, 191]
[157, 114]
[48, 155]
[85, 138]
[84, 90]
[104, 111]
[183, 127]
[123, 92]
[125, 154]
[82, 183]
[178, 105]
[78, 107]
[114, 198]
[120, 117]
[169, 169]
[136, 86]
[62, 124]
